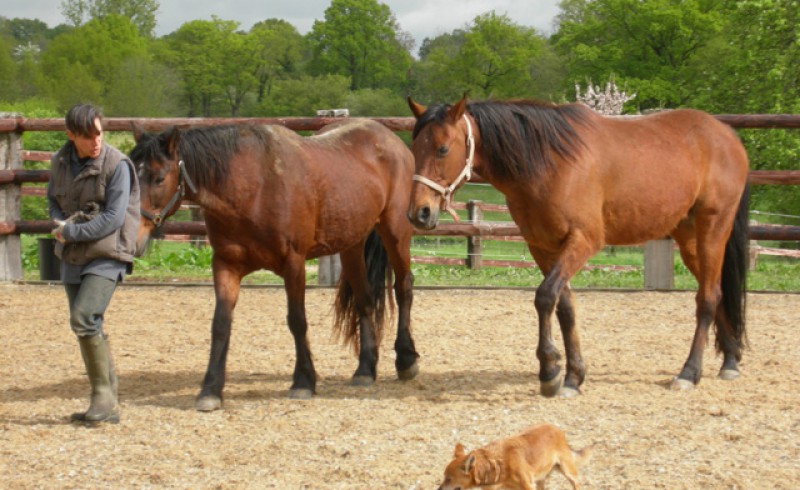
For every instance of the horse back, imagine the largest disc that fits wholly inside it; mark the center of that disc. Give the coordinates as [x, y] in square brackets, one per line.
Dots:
[635, 178]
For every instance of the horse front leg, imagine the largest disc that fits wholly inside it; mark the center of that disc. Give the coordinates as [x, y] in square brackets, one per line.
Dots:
[550, 377]
[397, 242]
[406, 362]
[227, 284]
[554, 290]
[304, 378]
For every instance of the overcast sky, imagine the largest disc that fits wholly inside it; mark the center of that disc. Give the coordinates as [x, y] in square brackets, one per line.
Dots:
[420, 18]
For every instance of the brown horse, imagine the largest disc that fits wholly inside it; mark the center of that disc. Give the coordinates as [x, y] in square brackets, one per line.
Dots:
[273, 199]
[576, 181]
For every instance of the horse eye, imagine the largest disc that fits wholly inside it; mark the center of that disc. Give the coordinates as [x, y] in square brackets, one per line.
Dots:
[442, 151]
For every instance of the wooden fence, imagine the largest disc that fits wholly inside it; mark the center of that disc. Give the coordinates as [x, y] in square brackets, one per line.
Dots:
[658, 254]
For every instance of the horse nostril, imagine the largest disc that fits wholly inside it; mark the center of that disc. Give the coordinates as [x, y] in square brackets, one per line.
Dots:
[424, 214]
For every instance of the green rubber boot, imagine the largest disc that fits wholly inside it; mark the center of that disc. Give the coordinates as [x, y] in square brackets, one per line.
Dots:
[102, 376]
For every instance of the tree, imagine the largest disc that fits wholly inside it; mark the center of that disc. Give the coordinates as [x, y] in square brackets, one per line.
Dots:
[305, 95]
[83, 64]
[215, 62]
[494, 57]
[8, 69]
[754, 67]
[647, 46]
[25, 31]
[280, 50]
[141, 12]
[359, 39]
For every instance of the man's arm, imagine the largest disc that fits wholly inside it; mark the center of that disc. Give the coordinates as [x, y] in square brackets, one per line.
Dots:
[112, 217]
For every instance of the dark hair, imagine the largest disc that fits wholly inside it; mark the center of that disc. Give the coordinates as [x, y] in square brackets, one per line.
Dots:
[80, 119]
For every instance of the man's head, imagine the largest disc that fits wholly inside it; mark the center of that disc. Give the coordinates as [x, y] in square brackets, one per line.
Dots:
[85, 130]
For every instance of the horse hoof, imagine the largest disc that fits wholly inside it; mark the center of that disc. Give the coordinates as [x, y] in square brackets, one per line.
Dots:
[408, 374]
[301, 394]
[569, 392]
[362, 380]
[551, 388]
[729, 374]
[680, 384]
[208, 403]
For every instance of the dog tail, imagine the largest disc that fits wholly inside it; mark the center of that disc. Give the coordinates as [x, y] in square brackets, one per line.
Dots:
[583, 456]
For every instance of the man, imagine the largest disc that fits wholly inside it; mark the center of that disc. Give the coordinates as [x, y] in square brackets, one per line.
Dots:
[93, 197]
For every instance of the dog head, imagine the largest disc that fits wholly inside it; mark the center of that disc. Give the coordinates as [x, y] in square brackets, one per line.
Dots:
[469, 470]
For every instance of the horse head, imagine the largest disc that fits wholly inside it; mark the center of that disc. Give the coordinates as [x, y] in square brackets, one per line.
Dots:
[162, 178]
[443, 147]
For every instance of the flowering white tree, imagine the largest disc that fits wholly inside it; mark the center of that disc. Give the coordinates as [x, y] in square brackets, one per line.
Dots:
[608, 102]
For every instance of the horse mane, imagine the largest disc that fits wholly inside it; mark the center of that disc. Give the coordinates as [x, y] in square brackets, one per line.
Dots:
[520, 137]
[206, 151]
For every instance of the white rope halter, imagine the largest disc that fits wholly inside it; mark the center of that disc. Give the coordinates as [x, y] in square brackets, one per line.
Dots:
[465, 175]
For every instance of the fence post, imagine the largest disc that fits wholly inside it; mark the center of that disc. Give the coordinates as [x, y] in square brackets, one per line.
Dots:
[659, 264]
[330, 267]
[10, 249]
[474, 246]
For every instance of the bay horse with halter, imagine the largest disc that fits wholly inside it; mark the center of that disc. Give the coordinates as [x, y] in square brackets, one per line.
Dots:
[272, 199]
[576, 181]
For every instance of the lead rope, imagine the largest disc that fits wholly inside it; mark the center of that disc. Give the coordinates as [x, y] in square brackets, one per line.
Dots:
[465, 175]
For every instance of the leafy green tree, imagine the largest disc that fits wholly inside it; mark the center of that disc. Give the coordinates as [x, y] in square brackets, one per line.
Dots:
[494, 57]
[359, 39]
[305, 95]
[216, 63]
[141, 12]
[193, 51]
[30, 79]
[377, 102]
[280, 52]
[646, 46]
[83, 64]
[754, 68]
[497, 58]
[8, 69]
[143, 88]
[26, 32]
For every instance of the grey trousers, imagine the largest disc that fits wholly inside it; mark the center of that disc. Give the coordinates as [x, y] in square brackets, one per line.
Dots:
[87, 304]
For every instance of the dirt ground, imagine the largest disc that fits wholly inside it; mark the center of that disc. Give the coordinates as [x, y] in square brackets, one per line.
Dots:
[478, 382]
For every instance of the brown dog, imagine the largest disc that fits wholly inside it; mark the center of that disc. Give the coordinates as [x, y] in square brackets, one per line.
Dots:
[516, 462]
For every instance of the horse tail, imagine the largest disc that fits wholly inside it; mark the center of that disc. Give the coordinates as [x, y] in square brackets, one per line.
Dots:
[346, 318]
[734, 275]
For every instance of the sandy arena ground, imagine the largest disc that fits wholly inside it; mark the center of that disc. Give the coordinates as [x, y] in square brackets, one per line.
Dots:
[478, 382]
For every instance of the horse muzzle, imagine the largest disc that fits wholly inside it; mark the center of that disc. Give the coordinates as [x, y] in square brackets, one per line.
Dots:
[425, 217]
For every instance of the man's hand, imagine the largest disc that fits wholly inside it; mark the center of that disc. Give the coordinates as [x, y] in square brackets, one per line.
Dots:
[58, 231]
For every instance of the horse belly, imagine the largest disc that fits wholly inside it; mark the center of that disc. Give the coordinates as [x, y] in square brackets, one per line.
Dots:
[632, 221]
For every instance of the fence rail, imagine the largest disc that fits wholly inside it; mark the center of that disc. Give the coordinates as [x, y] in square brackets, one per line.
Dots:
[13, 176]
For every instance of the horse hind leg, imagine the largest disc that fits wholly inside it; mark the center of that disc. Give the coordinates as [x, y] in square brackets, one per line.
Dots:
[576, 369]
[729, 345]
[355, 312]
[702, 250]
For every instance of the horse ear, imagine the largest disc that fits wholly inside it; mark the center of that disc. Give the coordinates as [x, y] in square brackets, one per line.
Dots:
[417, 109]
[173, 138]
[459, 451]
[457, 110]
[137, 131]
